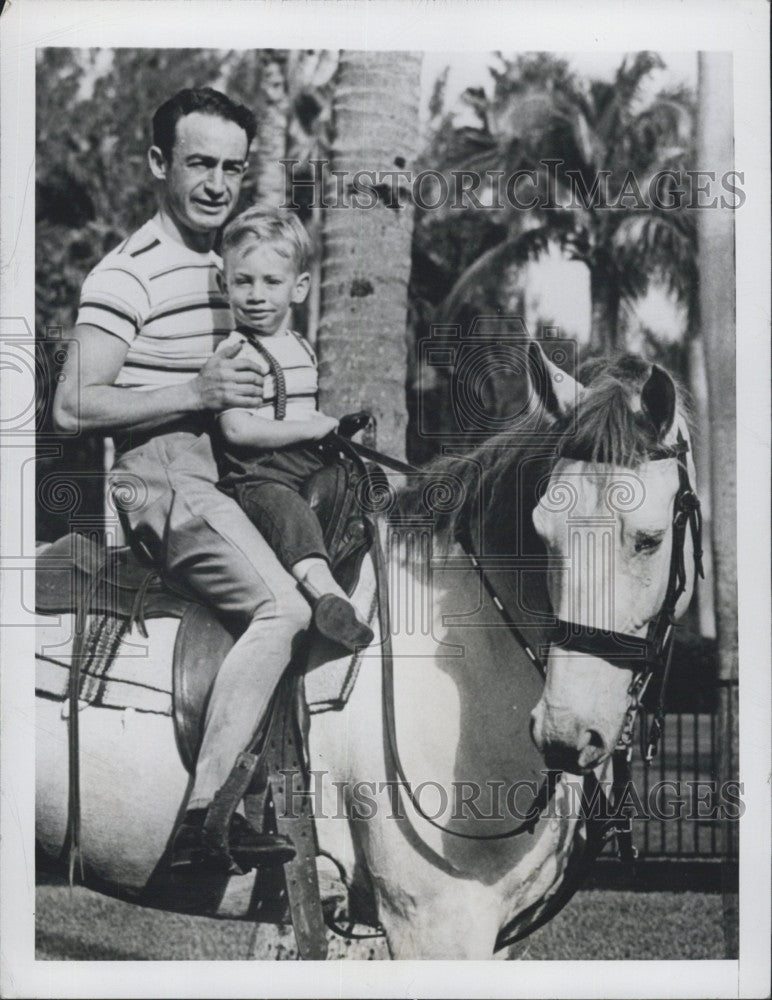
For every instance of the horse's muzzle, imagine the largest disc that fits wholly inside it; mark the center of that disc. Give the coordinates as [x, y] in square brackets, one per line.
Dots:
[576, 756]
[577, 721]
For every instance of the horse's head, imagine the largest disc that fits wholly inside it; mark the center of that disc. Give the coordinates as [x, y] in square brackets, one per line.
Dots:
[606, 517]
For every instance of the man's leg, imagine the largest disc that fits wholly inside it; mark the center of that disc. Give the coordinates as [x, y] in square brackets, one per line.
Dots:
[212, 546]
[203, 539]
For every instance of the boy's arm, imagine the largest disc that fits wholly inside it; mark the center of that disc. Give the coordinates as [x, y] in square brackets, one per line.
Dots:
[246, 428]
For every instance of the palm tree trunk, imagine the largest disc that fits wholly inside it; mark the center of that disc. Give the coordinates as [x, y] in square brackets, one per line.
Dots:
[605, 302]
[273, 111]
[314, 227]
[362, 341]
[717, 309]
[698, 387]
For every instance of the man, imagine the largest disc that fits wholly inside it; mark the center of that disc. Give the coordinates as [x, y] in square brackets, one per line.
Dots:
[151, 316]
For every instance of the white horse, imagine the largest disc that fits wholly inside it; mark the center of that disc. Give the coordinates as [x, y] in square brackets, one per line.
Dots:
[584, 502]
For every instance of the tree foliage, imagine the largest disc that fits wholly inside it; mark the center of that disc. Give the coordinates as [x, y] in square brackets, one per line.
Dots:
[567, 130]
[470, 261]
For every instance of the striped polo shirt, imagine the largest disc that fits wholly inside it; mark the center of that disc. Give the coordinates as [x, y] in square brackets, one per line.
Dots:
[164, 300]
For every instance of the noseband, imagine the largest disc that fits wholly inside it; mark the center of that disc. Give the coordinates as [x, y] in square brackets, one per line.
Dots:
[651, 655]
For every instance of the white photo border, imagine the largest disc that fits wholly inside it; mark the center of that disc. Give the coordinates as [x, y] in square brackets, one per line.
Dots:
[738, 26]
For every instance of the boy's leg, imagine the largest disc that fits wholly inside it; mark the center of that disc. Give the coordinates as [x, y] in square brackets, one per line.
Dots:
[292, 529]
[284, 520]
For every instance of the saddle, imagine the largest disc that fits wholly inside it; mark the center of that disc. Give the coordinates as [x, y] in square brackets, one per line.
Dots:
[78, 576]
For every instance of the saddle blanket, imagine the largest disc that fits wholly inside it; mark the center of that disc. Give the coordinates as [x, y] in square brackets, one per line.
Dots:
[122, 669]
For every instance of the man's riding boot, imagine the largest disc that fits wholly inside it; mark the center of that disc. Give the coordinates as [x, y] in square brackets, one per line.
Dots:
[246, 848]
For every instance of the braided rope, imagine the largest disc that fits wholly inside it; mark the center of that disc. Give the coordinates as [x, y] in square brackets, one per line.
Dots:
[277, 373]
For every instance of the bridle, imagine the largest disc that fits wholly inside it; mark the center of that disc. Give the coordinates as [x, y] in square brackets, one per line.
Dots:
[619, 649]
[654, 652]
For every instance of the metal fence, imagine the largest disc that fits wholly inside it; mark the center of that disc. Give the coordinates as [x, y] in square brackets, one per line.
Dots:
[692, 812]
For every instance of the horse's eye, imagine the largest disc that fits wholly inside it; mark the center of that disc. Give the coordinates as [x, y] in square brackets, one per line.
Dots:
[647, 543]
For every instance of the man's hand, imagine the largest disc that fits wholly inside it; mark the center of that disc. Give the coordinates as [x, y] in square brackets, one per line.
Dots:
[227, 380]
[323, 425]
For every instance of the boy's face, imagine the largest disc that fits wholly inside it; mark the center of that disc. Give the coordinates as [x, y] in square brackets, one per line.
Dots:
[262, 285]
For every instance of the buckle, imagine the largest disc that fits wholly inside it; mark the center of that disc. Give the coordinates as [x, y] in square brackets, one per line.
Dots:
[655, 732]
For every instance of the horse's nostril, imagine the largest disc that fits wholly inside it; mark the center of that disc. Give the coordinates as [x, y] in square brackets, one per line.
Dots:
[593, 750]
[594, 739]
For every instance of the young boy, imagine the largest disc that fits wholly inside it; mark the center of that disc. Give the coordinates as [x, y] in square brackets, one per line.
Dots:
[266, 454]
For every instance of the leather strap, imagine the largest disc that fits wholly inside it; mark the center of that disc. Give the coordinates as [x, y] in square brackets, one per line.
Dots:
[623, 825]
[617, 648]
[86, 587]
[598, 832]
[283, 760]
[223, 805]
[546, 791]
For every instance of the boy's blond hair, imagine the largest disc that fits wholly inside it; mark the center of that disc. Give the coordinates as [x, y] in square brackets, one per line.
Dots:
[276, 226]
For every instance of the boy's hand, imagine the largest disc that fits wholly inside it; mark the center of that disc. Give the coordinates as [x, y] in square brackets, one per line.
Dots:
[323, 425]
[228, 380]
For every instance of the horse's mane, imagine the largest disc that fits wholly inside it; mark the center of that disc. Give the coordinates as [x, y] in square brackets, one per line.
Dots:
[608, 427]
[605, 428]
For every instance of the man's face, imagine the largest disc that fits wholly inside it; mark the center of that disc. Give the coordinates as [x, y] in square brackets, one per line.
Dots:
[204, 175]
[262, 285]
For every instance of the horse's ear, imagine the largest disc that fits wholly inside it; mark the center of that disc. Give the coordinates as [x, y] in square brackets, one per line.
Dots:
[553, 389]
[658, 400]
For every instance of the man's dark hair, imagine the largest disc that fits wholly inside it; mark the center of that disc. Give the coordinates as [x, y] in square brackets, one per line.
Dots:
[205, 100]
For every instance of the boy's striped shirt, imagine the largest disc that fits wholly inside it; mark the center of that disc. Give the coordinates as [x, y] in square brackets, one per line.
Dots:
[296, 358]
[164, 300]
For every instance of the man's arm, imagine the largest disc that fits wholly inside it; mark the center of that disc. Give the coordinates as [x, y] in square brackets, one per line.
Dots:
[88, 400]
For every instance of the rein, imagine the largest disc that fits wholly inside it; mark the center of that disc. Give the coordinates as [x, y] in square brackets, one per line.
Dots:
[547, 790]
[619, 649]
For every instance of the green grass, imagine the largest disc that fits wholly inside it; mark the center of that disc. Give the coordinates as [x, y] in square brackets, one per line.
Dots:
[79, 924]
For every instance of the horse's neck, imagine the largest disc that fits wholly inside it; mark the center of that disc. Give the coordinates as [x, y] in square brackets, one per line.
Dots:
[463, 683]
[463, 690]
